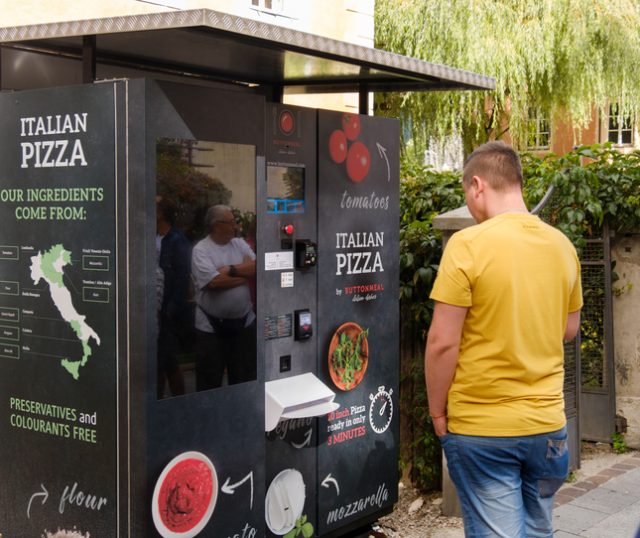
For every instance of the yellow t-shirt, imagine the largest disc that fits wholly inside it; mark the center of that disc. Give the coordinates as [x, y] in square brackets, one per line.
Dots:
[519, 278]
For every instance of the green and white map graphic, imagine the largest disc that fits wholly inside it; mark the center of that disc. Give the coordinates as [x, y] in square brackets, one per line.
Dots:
[49, 267]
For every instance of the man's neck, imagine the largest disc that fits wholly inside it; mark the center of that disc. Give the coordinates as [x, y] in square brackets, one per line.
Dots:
[510, 210]
[218, 239]
[510, 202]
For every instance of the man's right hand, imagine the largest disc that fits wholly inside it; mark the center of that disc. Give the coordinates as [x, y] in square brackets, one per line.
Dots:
[439, 425]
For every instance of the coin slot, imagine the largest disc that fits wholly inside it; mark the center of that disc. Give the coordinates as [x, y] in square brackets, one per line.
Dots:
[285, 363]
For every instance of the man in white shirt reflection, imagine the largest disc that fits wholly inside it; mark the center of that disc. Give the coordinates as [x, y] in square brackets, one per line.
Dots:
[222, 266]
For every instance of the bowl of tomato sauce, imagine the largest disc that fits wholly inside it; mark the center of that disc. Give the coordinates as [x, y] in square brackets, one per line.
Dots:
[185, 496]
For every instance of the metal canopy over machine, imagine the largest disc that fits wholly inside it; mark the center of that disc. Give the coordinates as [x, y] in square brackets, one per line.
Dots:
[208, 45]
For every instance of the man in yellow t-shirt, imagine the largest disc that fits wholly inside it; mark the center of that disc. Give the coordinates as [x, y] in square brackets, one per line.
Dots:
[507, 294]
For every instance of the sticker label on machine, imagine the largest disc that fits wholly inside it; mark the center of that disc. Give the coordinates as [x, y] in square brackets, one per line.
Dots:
[276, 261]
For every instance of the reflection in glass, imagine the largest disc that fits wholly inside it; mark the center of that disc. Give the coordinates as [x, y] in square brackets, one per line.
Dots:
[285, 189]
[173, 272]
[210, 341]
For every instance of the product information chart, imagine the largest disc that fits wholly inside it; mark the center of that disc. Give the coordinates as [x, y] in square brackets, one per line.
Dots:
[58, 312]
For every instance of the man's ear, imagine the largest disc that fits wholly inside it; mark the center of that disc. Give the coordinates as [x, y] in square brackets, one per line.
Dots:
[477, 185]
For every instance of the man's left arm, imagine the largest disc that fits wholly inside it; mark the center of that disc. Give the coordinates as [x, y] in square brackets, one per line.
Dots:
[572, 326]
[441, 358]
[246, 269]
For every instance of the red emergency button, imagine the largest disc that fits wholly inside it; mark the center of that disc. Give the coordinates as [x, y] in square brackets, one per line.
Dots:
[287, 229]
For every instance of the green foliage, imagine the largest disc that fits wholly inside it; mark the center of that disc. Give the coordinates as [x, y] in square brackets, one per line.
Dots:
[618, 443]
[426, 463]
[424, 194]
[189, 189]
[302, 528]
[618, 291]
[562, 57]
[592, 183]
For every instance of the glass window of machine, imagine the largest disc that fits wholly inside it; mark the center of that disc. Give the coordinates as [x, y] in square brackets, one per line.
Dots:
[206, 265]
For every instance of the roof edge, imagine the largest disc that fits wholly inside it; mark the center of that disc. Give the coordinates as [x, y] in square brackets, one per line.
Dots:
[274, 35]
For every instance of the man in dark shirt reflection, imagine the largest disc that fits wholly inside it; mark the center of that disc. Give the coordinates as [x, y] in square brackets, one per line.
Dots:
[174, 258]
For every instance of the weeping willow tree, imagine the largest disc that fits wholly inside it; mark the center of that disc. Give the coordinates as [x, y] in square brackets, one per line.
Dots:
[564, 58]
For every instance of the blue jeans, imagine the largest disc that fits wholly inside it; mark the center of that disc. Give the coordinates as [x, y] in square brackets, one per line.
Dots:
[506, 484]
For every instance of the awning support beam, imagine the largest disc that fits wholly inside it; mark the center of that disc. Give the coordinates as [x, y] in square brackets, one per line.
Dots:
[88, 59]
[363, 99]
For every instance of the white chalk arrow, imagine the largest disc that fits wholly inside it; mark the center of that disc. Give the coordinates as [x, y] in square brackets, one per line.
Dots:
[307, 440]
[230, 489]
[44, 494]
[328, 480]
[383, 153]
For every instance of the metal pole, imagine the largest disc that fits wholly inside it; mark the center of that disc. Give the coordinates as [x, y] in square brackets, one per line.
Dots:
[363, 99]
[88, 59]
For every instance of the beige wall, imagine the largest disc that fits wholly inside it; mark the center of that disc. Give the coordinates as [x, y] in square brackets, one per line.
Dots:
[626, 333]
[344, 20]
[26, 12]
[235, 166]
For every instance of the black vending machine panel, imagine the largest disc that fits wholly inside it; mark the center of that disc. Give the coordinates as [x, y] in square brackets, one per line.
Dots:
[290, 291]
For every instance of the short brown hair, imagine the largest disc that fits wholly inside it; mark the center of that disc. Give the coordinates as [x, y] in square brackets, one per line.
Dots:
[496, 162]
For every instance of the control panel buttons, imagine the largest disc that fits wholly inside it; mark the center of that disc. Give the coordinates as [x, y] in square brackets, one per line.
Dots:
[306, 254]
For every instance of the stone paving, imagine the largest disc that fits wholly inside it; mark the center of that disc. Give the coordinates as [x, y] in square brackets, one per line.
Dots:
[606, 505]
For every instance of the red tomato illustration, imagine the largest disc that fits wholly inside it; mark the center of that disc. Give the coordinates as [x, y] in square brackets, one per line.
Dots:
[358, 161]
[286, 122]
[351, 125]
[338, 146]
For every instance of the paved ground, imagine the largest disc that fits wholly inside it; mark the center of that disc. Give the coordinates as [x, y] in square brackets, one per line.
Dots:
[605, 505]
[604, 502]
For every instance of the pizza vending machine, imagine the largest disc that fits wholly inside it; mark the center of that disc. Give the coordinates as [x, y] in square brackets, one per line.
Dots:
[198, 314]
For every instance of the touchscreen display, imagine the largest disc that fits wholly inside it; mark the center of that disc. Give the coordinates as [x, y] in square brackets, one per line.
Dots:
[285, 189]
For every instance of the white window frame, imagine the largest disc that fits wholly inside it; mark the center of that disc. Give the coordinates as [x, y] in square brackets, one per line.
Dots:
[268, 6]
[623, 124]
[538, 131]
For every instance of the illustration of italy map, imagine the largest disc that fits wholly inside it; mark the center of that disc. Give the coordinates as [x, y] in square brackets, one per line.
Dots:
[49, 267]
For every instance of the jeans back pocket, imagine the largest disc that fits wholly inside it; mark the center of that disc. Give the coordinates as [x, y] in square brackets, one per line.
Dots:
[557, 467]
